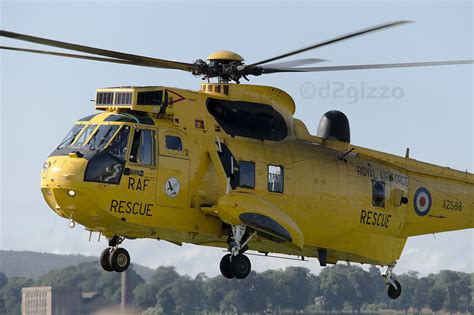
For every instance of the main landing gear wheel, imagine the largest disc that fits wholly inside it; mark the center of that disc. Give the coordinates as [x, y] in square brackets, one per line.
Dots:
[104, 260]
[394, 290]
[236, 264]
[225, 267]
[119, 259]
[240, 266]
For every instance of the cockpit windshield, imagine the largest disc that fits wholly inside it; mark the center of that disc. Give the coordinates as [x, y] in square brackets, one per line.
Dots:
[102, 136]
[105, 147]
[107, 164]
[71, 136]
[84, 136]
[93, 136]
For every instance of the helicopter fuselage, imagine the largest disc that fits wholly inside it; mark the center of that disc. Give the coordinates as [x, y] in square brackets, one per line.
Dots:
[178, 168]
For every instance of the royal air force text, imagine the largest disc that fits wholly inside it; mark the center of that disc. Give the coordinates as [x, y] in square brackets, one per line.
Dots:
[374, 172]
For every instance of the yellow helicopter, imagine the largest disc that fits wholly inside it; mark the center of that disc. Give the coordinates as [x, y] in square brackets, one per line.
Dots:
[229, 166]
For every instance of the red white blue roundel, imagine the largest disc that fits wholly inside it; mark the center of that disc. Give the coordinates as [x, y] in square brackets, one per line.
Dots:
[422, 201]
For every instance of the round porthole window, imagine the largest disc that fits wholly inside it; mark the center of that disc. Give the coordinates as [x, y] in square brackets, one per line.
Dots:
[378, 193]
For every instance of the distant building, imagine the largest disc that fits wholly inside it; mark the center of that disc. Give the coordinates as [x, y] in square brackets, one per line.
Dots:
[51, 301]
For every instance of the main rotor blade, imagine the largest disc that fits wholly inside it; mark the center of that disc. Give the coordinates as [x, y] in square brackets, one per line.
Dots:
[53, 53]
[158, 63]
[293, 63]
[370, 66]
[330, 41]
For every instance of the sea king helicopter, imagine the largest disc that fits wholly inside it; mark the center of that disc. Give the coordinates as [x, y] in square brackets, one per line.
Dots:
[230, 166]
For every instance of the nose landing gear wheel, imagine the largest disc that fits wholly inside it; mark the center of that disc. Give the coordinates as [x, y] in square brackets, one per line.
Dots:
[394, 291]
[240, 266]
[225, 267]
[104, 260]
[119, 259]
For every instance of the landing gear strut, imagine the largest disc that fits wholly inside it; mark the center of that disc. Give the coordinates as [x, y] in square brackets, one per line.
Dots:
[236, 264]
[394, 288]
[115, 258]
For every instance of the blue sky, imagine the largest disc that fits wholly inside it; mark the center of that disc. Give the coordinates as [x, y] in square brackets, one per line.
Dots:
[428, 110]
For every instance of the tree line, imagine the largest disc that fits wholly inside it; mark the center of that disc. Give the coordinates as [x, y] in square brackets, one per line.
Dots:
[336, 289]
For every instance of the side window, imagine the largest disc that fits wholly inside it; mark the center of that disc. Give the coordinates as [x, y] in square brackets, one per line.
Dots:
[378, 193]
[173, 143]
[275, 178]
[143, 147]
[247, 174]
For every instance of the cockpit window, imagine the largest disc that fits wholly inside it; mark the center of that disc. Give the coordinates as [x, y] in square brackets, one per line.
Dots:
[88, 118]
[118, 146]
[121, 117]
[106, 166]
[71, 135]
[132, 118]
[102, 136]
[143, 147]
[82, 138]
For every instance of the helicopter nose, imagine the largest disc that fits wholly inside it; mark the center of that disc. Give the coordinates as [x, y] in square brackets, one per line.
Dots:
[61, 180]
[62, 168]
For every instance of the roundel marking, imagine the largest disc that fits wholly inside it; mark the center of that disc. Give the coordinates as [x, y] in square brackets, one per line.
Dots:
[422, 201]
[172, 187]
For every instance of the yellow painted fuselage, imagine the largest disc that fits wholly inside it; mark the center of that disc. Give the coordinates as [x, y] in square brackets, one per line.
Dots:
[327, 198]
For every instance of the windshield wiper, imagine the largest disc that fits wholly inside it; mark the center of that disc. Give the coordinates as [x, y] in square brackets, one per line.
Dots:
[71, 138]
[92, 142]
[104, 138]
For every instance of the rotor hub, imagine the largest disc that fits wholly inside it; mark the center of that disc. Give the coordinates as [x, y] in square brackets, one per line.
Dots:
[222, 64]
[225, 55]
